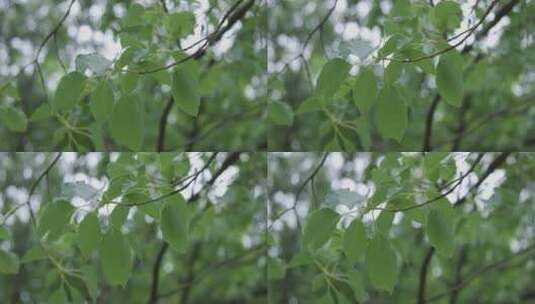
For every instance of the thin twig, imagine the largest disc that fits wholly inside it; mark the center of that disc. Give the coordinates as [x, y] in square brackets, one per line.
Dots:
[451, 47]
[34, 186]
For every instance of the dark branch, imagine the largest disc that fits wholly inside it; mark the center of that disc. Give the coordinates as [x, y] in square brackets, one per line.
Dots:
[458, 274]
[429, 123]
[156, 274]
[495, 164]
[423, 275]
[160, 143]
[501, 264]
[456, 183]
[502, 12]
[230, 160]
[34, 186]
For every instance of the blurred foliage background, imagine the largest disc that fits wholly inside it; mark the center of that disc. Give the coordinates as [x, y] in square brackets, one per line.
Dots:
[135, 36]
[490, 214]
[496, 112]
[223, 261]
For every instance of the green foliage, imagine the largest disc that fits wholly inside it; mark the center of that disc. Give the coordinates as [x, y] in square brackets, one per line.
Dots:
[365, 90]
[102, 101]
[440, 232]
[461, 69]
[9, 262]
[54, 219]
[89, 235]
[355, 240]
[68, 92]
[13, 118]
[185, 88]
[450, 78]
[175, 221]
[280, 113]
[391, 114]
[116, 257]
[180, 24]
[331, 78]
[319, 228]
[403, 227]
[126, 122]
[383, 268]
[103, 220]
[58, 88]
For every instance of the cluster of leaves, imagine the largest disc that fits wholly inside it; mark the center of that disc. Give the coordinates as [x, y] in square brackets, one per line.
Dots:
[417, 230]
[107, 248]
[154, 81]
[428, 82]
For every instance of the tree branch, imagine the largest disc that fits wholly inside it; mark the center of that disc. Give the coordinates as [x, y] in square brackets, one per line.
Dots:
[495, 164]
[232, 16]
[458, 274]
[160, 143]
[429, 123]
[504, 11]
[453, 46]
[423, 275]
[231, 159]
[457, 182]
[488, 268]
[156, 274]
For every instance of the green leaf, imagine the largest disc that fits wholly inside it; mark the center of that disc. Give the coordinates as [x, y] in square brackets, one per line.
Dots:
[391, 115]
[41, 113]
[393, 72]
[431, 164]
[185, 88]
[310, 104]
[355, 241]
[115, 257]
[34, 254]
[180, 24]
[9, 262]
[102, 101]
[126, 124]
[54, 218]
[118, 216]
[447, 15]
[128, 82]
[94, 62]
[175, 218]
[450, 77]
[365, 90]
[440, 232]
[89, 234]
[134, 16]
[68, 91]
[13, 118]
[383, 268]
[320, 226]
[276, 269]
[390, 45]
[280, 113]
[384, 222]
[300, 259]
[4, 233]
[331, 77]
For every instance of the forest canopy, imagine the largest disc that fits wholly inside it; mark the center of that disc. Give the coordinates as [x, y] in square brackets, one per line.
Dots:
[132, 228]
[401, 227]
[82, 75]
[401, 75]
